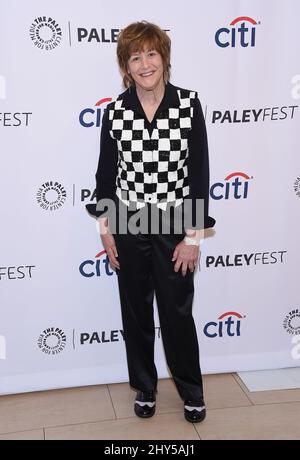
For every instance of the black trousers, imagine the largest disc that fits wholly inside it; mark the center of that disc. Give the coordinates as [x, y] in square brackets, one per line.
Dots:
[146, 267]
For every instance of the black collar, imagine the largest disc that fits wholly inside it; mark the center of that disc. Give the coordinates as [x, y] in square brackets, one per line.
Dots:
[131, 101]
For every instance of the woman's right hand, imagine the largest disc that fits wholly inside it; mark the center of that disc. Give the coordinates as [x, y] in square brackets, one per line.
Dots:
[109, 245]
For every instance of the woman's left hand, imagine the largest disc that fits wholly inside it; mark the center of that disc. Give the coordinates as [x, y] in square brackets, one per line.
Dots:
[186, 256]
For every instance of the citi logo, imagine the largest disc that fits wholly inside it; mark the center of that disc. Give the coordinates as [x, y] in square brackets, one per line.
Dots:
[241, 33]
[90, 117]
[98, 267]
[235, 186]
[2, 347]
[229, 324]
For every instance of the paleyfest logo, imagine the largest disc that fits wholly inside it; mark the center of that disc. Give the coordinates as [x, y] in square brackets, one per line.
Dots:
[45, 33]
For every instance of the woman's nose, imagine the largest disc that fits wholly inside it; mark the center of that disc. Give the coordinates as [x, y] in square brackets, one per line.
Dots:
[145, 62]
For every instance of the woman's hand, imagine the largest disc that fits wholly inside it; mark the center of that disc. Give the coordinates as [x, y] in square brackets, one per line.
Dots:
[109, 245]
[186, 256]
[108, 242]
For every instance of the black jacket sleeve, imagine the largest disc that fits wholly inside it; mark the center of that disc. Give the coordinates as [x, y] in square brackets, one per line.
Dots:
[198, 166]
[107, 167]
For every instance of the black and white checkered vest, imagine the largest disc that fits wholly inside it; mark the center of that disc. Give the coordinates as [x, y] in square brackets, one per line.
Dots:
[152, 168]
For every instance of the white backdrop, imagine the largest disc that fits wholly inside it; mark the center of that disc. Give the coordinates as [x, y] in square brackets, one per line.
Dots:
[60, 321]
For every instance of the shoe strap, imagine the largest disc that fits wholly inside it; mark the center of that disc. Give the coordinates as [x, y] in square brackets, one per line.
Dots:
[197, 408]
[143, 403]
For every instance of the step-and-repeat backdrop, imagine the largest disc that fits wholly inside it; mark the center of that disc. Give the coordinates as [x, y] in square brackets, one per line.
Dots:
[60, 320]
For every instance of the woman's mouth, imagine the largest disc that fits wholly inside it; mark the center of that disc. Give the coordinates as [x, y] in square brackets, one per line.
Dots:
[147, 74]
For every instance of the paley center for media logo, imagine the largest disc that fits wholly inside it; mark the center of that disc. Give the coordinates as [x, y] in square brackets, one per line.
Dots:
[241, 32]
[52, 341]
[291, 322]
[227, 325]
[51, 196]
[297, 186]
[98, 267]
[92, 117]
[45, 33]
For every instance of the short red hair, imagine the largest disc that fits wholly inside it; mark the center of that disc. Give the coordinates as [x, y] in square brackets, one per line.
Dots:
[137, 36]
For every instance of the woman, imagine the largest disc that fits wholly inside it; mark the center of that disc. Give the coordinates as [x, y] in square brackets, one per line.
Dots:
[153, 156]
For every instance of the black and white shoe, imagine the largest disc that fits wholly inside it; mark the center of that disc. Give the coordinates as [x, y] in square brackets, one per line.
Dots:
[194, 411]
[144, 405]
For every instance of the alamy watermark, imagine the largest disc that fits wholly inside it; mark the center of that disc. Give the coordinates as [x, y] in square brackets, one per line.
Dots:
[295, 351]
[161, 217]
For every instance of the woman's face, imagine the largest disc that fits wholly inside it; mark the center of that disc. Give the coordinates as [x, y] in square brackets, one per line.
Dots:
[146, 69]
